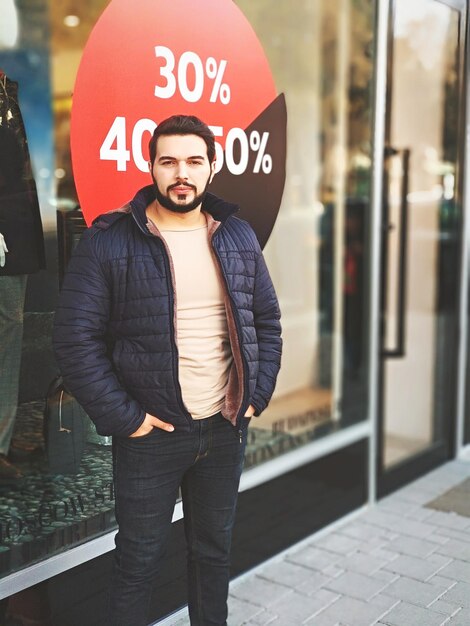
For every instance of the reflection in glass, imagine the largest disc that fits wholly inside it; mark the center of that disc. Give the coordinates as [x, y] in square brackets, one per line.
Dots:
[320, 54]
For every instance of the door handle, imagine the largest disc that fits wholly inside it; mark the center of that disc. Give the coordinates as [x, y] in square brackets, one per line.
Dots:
[398, 347]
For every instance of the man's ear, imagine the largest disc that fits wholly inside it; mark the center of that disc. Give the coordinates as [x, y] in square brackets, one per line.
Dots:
[213, 166]
[149, 163]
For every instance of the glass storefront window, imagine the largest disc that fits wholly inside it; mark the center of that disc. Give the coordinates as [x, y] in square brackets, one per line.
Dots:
[320, 56]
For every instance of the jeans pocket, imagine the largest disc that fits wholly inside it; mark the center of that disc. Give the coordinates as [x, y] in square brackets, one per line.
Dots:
[140, 437]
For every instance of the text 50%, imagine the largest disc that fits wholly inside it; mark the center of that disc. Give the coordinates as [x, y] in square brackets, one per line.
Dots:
[237, 151]
[191, 61]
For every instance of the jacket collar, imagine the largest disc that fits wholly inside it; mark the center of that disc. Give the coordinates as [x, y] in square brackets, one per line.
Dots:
[219, 209]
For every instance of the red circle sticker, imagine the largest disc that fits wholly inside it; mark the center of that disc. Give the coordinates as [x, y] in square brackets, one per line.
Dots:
[144, 63]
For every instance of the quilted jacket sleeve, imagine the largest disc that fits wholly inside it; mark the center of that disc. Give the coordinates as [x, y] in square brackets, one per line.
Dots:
[268, 331]
[79, 335]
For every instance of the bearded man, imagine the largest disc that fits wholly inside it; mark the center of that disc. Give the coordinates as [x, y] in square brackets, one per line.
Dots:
[168, 334]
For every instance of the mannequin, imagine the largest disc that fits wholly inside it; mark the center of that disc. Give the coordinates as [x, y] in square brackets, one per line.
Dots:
[21, 253]
[19, 215]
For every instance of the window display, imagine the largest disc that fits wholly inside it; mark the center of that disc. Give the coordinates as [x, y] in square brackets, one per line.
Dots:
[21, 253]
[56, 475]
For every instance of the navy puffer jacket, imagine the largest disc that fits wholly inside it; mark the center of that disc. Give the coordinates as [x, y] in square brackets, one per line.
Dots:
[114, 332]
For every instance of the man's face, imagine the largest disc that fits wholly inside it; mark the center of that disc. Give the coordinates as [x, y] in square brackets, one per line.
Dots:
[181, 172]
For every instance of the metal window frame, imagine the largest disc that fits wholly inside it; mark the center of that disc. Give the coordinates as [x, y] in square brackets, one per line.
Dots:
[380, 82]
[461, 449]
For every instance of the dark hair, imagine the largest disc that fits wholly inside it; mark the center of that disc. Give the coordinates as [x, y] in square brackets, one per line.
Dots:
[183, 125]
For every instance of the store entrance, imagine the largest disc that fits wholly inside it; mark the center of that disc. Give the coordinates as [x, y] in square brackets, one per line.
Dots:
[421, 238]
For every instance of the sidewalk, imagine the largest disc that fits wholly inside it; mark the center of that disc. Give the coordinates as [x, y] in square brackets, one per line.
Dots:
[399, 563]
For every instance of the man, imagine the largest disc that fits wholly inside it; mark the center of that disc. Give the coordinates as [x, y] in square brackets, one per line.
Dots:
[168, 334]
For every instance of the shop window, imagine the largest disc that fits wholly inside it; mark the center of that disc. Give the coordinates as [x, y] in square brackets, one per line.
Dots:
[320, 54]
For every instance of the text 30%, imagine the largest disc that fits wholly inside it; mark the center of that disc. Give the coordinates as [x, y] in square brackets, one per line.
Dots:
[211, 69]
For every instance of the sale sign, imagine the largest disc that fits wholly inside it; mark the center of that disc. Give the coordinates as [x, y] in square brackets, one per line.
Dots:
[149, 60]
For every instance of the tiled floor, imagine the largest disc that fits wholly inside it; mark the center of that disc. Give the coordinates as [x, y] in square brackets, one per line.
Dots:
[398, 563]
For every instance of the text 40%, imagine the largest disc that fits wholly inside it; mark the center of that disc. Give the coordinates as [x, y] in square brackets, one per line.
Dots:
[191, 61]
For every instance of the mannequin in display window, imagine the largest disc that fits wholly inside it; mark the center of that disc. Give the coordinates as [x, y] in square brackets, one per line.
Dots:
[21, 253]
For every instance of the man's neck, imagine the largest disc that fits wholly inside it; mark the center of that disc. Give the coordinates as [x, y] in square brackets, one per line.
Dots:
[165, 219]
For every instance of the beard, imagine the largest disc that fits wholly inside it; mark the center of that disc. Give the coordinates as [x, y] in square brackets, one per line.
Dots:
[166, 202]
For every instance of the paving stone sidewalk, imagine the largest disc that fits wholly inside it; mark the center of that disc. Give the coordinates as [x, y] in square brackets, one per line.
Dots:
[398, 563]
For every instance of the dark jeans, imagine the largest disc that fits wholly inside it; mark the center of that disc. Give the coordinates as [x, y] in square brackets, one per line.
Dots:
[148, 471]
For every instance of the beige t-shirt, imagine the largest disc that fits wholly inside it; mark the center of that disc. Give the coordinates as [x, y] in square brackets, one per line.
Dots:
[203, 341]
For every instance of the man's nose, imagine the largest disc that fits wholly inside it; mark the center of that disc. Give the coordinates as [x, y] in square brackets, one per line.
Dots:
[182, 171]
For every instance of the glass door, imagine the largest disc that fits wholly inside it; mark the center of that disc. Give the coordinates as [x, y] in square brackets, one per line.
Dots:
[421, 238]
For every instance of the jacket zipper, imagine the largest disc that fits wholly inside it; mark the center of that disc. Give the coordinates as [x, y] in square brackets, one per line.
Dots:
[238, 329]
[170, 282]
[175, 357]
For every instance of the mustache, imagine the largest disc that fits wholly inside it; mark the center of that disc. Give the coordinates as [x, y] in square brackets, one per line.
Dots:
[181, 184]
